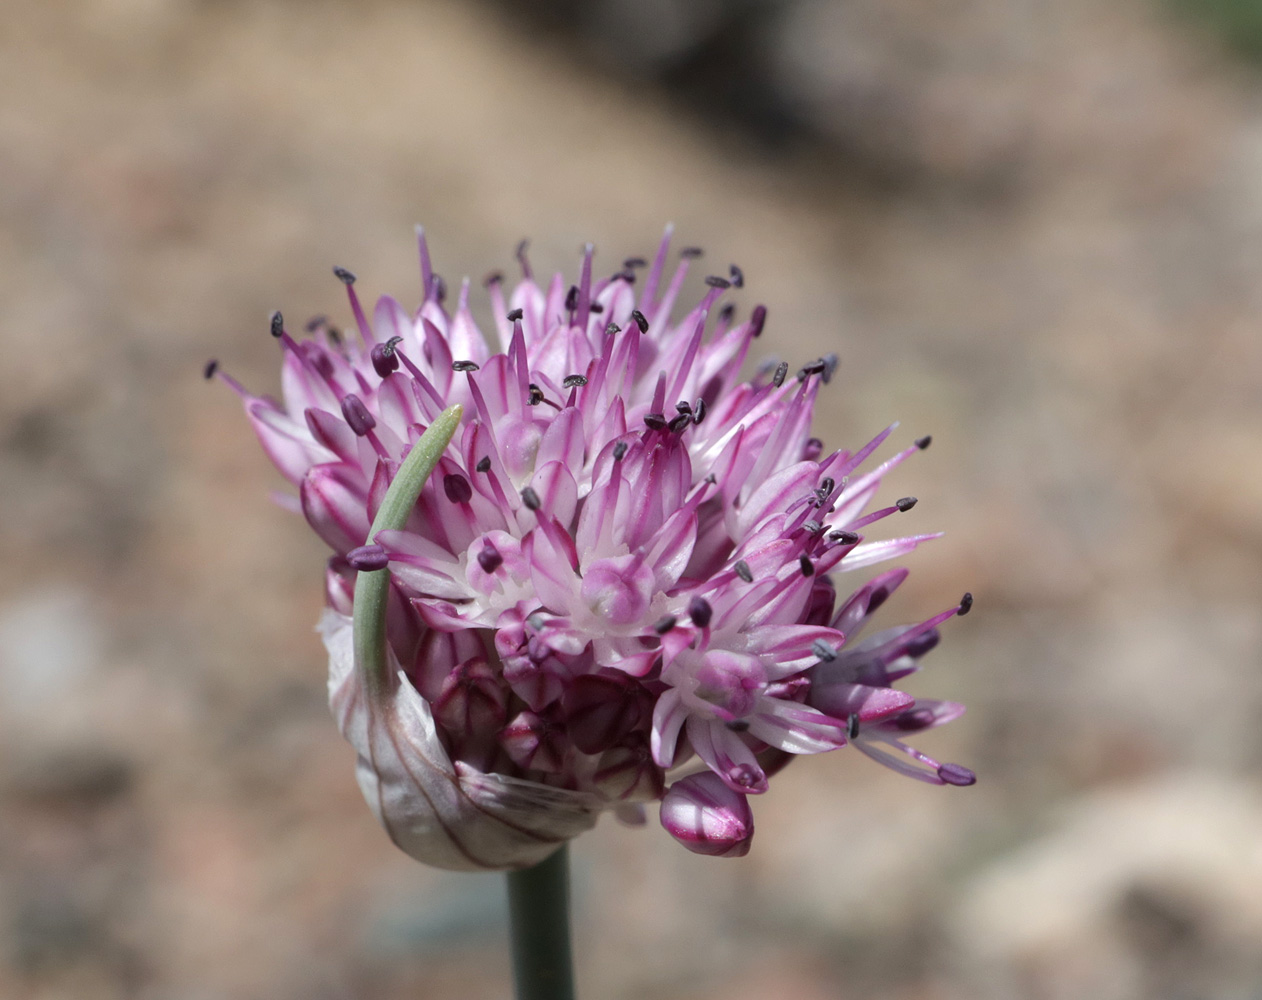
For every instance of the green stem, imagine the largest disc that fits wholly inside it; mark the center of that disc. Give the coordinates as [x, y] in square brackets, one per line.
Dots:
[539, 917]
[372, 587]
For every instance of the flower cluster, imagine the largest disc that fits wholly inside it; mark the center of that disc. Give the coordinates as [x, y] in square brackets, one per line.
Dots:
[617, 585]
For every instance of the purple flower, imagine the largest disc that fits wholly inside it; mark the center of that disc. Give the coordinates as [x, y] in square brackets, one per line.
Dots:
[619, 572]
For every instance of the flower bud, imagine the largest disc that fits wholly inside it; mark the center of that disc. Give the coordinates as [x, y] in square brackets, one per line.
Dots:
[707, 817]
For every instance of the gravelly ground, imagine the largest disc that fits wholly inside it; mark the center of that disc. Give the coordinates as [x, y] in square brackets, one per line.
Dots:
[1058, 281]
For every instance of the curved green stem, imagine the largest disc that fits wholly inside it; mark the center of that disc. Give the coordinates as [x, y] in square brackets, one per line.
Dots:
[372, 587]
[539, 917]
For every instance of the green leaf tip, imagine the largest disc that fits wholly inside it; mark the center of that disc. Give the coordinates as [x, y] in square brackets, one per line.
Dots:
[372, 587]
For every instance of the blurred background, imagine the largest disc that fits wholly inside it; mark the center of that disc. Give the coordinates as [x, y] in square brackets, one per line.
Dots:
[1030, 228]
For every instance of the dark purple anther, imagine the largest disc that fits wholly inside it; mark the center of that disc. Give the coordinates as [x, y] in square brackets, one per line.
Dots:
[852, 725]
[957, 774]
[357, 415]
[596, 308]
[743, 571]
[683, 406]
[922, 643]
[823, 650]
[489, 558]
[924, 442]
[714, 281]
[698, 410]
[368, 558]
[655, 421]
[611, 329]
[814, 368]
[826, 487]
[814, 448]
[757, 320]
[484, 464]
[966, 604]
[457, 488]
[914, 721]
[571, 299]
[691, 253]
[634, 262]
[738, 276]
[814, 527]
[531, 499]
[680, 422]
[640, 320]
[440, 288]
[830, 366]
[700, 612]
[277, 324]
[522, 259]
[464, 366]
[619, 450]
[344, 276]
[738, 726]
[727, 312]
[905, 504]
[515, 314]
[664, 624]
[493, 278]
[536, 395]
[212, 366]
[845, 537]
[807, 567]
[574, 381]
[384, 360]
[782, 369]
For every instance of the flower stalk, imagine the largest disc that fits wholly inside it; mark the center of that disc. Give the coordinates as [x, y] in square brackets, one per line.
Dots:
[539, 921]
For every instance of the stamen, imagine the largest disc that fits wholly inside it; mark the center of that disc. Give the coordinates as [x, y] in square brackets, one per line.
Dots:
[905, 504]
[814, 527]
[440, 289]
[208, 372]
[523, 260]
[698, 411]
[619, 450]
[612, 328]
[357, 415]
[757, 320]
[852, 725]
[640, 321]
[738, 276]
[690, 253]
[814, 448]
[457, 488]
[714, 281]
[489, 558]
[484, 464]
[782, 369]
[845, 537]
[808, 567]
[384, 359]
[743, 571]
[536, 395]
[727, 312]
[277, 324]
[924, 442]
[531, 499]
[634, 262]
[966, 604]
[830, 366]
[957, 774]
[596, 308]
[368, 558]
[493, 278]
[464, 366]
[571, 299]
[515, 314]
[823, 650]
[700, 612]
[344, 276]
[571, 381]
[738, 725]
[680, 422]
[655, 421]
[664, 624]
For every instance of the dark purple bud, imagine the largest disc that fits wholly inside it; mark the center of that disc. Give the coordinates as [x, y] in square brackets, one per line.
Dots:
[691, 253]
[924, 442]
[700, 612]
[957, 774]
[698, 410]
[757, 320]
[782, 369]
[574, 381]
[823, 650]
[664, 624]
[743, 571]
[357, 415]
[277, 324]
[905, 504]
[708, 817]
[655, 421]
[484, 464]
[344, 276]
[966, 604]
[457, 488]
[384, 359]
[852, 725]
[464, 366]
[531, 499]
[212, 366]
[489, 558]
[714, 281]
[368, 558]
[738, 276]
[640, 320]
[515, 314]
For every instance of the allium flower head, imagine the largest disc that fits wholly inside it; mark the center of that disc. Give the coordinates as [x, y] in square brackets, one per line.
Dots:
[617, 584]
